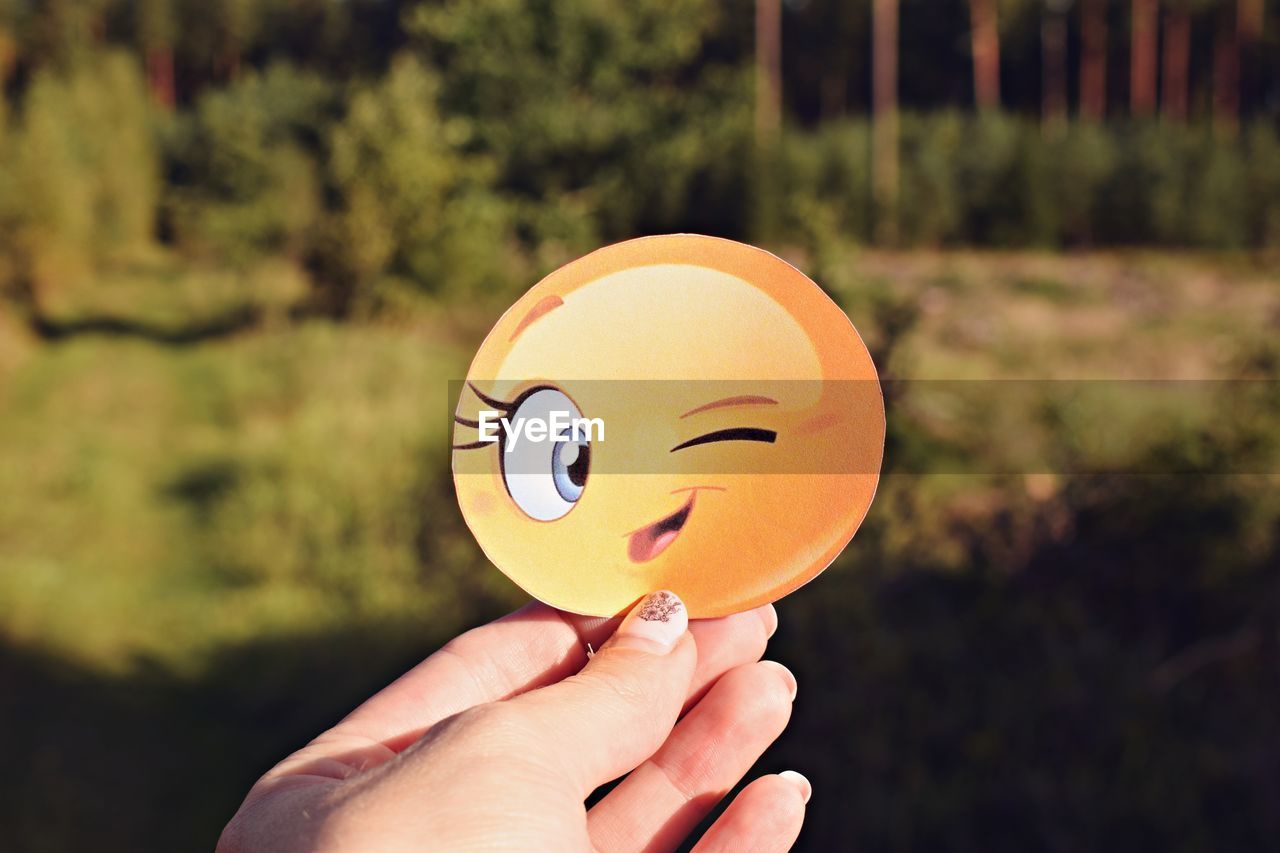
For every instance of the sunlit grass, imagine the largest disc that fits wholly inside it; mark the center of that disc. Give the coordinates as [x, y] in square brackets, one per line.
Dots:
[165, 501]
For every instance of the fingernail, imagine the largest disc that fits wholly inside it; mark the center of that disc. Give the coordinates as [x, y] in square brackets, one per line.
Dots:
[806, 790]
[785, 674]
[769, 614]
[654, 625]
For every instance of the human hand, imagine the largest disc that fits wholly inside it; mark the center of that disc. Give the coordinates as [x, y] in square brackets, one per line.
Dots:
[496, 741]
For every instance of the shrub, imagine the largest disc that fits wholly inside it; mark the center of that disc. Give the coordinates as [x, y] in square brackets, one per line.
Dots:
[80, 196]
[930, 208]
[825, 183]
[998, 180]
[617, 115]
[410, 203]
[1261, 190]
[1217, 200]
[243, 165]
[1077, 164]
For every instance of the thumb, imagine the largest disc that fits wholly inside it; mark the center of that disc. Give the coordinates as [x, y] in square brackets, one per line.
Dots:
[616, 712]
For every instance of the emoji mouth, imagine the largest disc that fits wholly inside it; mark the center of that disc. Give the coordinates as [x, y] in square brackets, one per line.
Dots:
[650, 541]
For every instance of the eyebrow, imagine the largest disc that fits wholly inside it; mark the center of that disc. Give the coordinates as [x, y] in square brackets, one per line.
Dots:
[544, 307]
[742, 400]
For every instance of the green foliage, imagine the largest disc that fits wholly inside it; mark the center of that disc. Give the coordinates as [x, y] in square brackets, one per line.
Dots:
[1262, 186]
[411, 203]
[87, 193]
[10, 209]
[1078, 164]
[929, 210]
[611, 117]
[244, 167]
[999, 180]
[221, 547]
[283, 482]
[555, 130]
[825, 181]
[154, 24]
[1181, 186]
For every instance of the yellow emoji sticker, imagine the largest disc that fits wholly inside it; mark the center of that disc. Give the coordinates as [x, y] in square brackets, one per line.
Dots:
[677, 412]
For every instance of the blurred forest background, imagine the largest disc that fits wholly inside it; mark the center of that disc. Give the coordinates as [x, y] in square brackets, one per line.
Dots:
[245, 245]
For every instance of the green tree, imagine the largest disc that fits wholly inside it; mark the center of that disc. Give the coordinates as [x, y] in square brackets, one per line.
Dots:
[234, 27]
[216, 34]
[244, 165]
[64, 31]
[412, 206]
[607, 116]
[85, 194]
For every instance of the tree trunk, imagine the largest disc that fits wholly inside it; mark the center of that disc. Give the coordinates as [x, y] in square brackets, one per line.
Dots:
[985, 40]
[1226, 76]
[768, 62]
[835, 94]
[1250, 15]
[884, 143]
[768, 70]
[1093, 62]
[8, 56]
[1177, 61]
[1053, 38]
[1142, 58]
[226, 66]
[160, 76]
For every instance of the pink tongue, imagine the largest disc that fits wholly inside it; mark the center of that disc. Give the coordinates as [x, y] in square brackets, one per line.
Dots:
[643, 548]
[660, 544]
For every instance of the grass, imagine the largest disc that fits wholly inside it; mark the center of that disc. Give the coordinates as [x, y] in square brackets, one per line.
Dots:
[174, 500]
[215, 547]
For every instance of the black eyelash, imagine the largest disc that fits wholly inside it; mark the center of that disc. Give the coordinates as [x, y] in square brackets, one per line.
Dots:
[493, 402]
[501, 406]
[735, 434]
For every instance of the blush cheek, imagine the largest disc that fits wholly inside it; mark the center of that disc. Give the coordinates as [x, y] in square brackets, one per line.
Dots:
[818, 423]
[482, 504]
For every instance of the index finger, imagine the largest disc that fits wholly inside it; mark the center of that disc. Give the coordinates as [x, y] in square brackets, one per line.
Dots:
[535, 646]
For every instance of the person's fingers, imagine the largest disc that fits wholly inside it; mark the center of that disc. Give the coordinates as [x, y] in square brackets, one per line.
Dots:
[764, 818]
[524, 650]
[600, 723]
[728, 642]
[559, 742]
[530, 648]
[709, 751]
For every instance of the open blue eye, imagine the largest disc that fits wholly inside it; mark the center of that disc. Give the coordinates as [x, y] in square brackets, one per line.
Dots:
[546, 477]
[570, 462]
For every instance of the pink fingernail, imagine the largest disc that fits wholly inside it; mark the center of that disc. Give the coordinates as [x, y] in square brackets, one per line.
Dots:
[806, 790]
[654, 625]
[786, 675]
